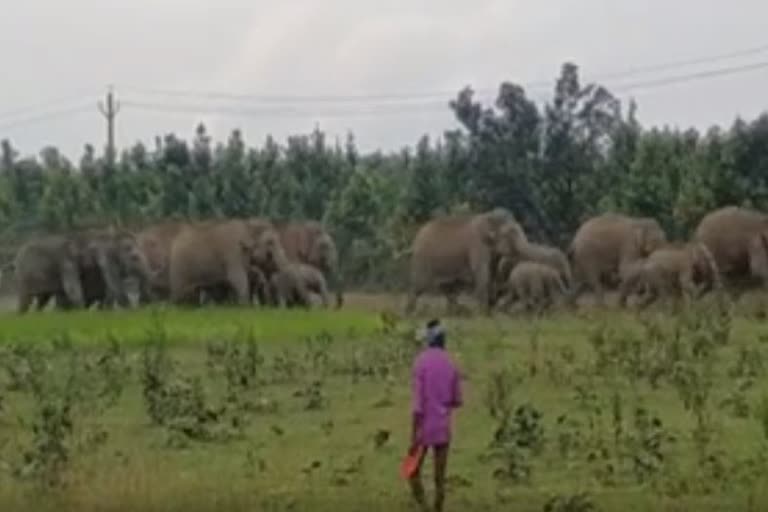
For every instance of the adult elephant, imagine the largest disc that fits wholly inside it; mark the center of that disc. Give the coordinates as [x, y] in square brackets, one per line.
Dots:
[47, 268]
[310, 243]
[155, 244]
[211, 255]
[457, 252]
[78, 269]
[605, 246]
[108, 259]
[735, 237]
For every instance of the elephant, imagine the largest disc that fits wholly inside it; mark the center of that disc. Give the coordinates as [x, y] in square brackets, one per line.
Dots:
[207, 255]
[685, 271]
[733, 235]
[521, 250]
[294, 284]
[49, 267]
[605, 245]
[155, 244]
[101, 260]
[309, 242]
[222, 293]
[758, 256]
[458, 252]
[537, 285]
[109, 258]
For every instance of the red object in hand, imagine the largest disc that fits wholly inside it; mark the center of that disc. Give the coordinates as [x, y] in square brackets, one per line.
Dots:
[411, 462]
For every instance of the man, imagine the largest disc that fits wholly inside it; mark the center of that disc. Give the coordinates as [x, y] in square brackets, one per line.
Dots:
[436, 392]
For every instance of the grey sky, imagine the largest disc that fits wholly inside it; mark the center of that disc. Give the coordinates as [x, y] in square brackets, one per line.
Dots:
[52, 49]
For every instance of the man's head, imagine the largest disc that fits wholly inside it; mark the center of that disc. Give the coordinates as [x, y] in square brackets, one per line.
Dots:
[435, 334]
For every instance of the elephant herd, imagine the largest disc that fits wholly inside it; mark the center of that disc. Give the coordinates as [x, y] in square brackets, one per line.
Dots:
[491, 254]
[244, 261]
[186, 263]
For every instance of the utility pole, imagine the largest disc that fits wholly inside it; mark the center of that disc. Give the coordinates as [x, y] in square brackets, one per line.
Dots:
[109, 109]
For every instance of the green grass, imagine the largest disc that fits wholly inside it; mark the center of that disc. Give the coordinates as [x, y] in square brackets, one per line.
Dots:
[325, 459]
[183, 326]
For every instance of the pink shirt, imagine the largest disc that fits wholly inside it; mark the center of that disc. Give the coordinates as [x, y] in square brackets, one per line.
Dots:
[436, 391]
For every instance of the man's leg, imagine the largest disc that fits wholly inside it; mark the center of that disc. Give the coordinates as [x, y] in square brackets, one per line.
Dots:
[441, 465]
[417, 487]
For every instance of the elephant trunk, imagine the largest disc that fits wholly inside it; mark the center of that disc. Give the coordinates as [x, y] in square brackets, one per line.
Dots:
[713, 268]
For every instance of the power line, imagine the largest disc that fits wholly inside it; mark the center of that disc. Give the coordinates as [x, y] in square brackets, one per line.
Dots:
[683, 63]
[700, 75]
[433, 107]
[416, 96]
[46, 116]
[48, 103]
[438, 107]
[265, 98]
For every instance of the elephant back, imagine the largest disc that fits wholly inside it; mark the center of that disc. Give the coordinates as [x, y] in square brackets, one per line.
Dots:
[443, 244]
[608, 240]
[298, 238]
[727, 233]
[201, 253]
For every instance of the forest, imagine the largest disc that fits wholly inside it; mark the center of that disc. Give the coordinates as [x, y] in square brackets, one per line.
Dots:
[553, 165]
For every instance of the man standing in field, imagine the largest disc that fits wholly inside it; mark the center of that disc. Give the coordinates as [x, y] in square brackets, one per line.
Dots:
[436, 392]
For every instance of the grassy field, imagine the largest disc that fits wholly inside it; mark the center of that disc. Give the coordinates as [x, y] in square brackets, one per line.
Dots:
[267, 410]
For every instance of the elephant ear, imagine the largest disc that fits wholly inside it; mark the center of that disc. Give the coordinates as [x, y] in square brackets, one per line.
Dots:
[489, 233]
[640, 237]
[247, 247]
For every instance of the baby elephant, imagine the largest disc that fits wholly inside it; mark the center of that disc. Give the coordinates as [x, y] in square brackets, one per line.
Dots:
[534, 284]
[292, 286]
[685, 271]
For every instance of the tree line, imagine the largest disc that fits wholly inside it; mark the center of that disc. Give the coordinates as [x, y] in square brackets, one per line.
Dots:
[554, 165]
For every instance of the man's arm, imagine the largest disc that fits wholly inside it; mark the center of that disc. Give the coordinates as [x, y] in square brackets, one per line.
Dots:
[458, 396]
[417, 406]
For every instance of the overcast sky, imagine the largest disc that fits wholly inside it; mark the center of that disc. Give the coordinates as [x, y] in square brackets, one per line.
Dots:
[54, 50]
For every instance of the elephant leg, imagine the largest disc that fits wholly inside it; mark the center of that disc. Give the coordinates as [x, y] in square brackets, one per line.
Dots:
[265, 295]
[24, 302]
[599, 290]
[650, 296]
[237, 278]
[188, 296]
[325, 296]
[335, 283]
[591, 281]
[629, 286]
[512, 297]
[63, 302]
[43, 300]
[302, 294]
[145, 296]
[483, 287]
[101, 305]
[273, 295]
